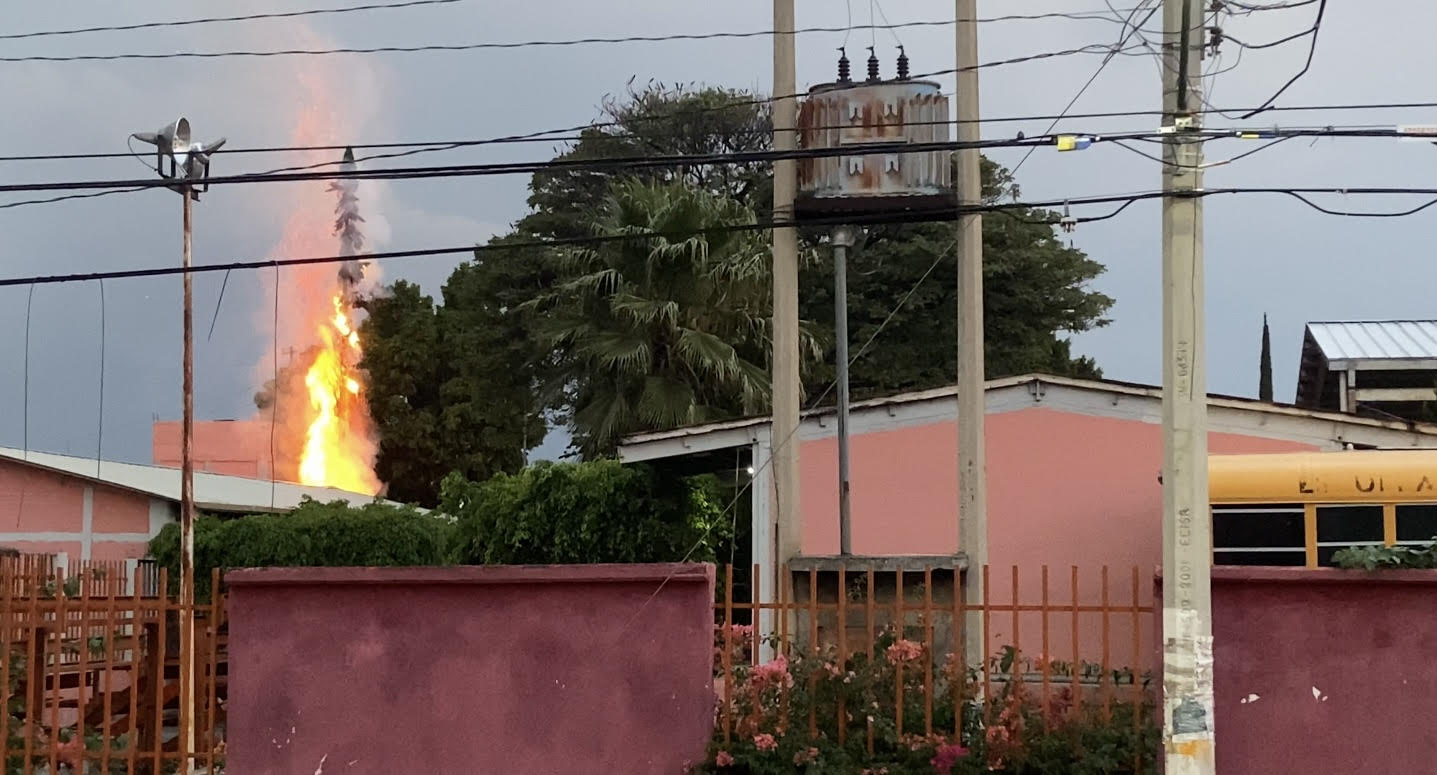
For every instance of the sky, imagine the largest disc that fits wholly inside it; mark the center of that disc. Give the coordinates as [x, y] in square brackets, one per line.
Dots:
[1264, 254]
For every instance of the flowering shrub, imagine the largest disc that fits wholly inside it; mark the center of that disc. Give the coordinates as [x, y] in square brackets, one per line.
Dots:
[784, 717]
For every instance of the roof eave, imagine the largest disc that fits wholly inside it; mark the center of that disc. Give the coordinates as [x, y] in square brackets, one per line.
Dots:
[702, 438]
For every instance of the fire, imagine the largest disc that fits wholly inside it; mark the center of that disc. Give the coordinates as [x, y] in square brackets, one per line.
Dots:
[313, 393]
[330, 457]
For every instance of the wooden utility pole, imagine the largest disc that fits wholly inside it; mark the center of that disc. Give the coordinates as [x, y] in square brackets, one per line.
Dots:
[187, 505]
[972, 468]
[786, 385]
[1187, 527]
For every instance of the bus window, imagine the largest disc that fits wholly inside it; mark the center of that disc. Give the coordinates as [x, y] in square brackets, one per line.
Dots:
[1258, 534]
[1339, 527]
[1416, 523]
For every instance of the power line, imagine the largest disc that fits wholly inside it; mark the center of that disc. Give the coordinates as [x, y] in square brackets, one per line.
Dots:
[553, 135]
[1076, 16]
[926, 215]
[453, 47]
[1079, 95]
[220, 19]
[644, 162]
[1311, 50]
[1205, 165]
[1248, 8]
[509, 168]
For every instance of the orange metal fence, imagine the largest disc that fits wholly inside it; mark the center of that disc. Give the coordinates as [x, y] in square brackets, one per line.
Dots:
[90, 670]
[844, 637]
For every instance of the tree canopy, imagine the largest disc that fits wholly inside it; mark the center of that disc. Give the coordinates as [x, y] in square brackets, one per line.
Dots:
[1036, 288]
[657, 332]
[452, 387]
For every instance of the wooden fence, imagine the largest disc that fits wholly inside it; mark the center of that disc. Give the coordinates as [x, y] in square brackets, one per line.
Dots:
[91, 671]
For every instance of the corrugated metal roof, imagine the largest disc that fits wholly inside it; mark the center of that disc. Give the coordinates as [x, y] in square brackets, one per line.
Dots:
[212, 491]
[1376, 340]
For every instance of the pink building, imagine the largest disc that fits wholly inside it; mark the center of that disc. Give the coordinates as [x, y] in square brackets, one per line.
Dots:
[234, 447]
[1073, 471]
[104, 510]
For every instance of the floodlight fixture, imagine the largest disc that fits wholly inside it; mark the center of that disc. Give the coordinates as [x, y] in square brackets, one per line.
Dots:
[179, 159]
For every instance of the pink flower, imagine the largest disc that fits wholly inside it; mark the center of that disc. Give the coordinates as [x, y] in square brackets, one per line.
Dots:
[947, 757]
[904, 651]
[764, 742]
[805, 757]
[773, 673]
[724, 759]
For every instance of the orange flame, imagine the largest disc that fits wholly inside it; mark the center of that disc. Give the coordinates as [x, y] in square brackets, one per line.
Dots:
[330, 458]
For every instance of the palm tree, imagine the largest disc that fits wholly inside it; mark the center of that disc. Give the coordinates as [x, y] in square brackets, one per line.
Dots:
[665, 328]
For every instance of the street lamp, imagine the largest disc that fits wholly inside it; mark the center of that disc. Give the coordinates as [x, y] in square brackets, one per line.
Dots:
[176, 158]
[187, 165]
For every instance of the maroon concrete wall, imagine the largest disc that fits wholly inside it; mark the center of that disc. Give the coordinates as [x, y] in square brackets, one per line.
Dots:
[529, 670]
[1324, 671]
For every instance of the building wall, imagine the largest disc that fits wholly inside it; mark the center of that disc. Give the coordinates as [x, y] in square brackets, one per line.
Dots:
[1061, 487]
[1323, 671]
[602, 669]
[43, 512]
[1064, 489]
[232, 447]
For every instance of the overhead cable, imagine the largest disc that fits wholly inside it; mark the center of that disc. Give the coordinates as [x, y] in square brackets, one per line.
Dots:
[1076, 16]
[1061, 141]
[923, 215]
[453, 47]
[222, 19]
[1314, 31]
[557, 135]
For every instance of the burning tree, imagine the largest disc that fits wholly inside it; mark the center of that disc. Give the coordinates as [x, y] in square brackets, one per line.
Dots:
[323, 432]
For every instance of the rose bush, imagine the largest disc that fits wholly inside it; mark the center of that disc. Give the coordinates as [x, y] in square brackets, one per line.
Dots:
[784, 717]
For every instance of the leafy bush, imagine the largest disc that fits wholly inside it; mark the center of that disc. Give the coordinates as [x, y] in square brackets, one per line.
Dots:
[1019, 730]
[313, 534]
[549, 513]
[600, 511]
[1386, 557]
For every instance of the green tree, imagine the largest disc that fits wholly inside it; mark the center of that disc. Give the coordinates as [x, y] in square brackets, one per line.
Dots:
[1036, 292]
[1036, 288]
[659, 331]
[452, 388]
[1264, 376]
[657, 120]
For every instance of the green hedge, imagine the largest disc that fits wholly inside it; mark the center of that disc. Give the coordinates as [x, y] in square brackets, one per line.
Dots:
[550, 513]
[600, 511]
[313, 534]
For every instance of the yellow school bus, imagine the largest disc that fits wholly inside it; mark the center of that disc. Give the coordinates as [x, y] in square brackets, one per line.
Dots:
[1297, 509]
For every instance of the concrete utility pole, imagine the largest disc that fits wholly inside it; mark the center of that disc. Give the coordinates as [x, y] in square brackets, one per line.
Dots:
[842, 240]
[972, 468]
[1187, 527]
[786, 385]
